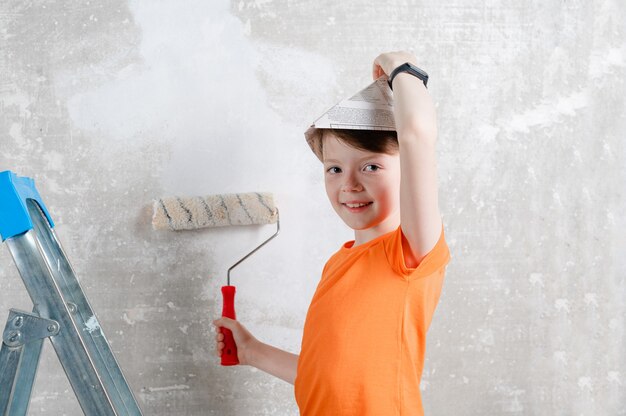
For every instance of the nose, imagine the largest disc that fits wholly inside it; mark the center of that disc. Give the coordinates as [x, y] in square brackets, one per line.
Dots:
[351, 184]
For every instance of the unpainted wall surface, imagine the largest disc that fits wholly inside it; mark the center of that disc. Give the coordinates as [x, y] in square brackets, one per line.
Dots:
[110, 104]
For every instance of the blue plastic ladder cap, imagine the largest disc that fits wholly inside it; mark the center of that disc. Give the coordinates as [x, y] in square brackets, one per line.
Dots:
[14, 216]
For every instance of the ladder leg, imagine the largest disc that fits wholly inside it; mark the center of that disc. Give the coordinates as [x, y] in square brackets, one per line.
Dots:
[22, 340]
[9, 363]
[31, 351]
[25, 378]
[19, 359]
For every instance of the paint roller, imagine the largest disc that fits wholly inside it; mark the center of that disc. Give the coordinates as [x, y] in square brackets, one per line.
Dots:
[184, 213]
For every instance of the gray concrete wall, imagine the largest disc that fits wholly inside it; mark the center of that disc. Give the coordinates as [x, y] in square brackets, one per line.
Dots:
[109, 104]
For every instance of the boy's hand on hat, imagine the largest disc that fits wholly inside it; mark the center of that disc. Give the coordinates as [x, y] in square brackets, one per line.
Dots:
[244, 340]
[414, 109]
[386, 62]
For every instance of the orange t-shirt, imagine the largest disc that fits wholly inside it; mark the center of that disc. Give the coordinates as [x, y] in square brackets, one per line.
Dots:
[365, 331]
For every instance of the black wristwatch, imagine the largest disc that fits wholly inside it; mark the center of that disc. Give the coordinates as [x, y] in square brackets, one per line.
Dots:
[411, 69]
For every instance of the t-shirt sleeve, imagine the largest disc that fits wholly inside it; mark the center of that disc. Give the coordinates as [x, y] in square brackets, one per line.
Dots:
[435, 260]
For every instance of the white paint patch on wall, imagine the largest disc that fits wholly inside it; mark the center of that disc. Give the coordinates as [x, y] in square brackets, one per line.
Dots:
[168, 388]
[547, 113]
[606, 62]
[198, 92]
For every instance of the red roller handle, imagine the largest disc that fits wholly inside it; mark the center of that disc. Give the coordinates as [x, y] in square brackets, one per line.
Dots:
[229, 353]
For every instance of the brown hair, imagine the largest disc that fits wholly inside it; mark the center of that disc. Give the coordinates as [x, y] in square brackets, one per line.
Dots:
[377, 141]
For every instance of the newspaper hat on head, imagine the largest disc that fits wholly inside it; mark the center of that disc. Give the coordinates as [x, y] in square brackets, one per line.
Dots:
[369, 109]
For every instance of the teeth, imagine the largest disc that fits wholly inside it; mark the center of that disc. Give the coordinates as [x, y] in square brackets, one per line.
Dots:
[356, 205]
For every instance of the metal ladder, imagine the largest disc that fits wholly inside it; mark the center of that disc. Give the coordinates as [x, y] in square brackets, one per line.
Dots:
[61, 313]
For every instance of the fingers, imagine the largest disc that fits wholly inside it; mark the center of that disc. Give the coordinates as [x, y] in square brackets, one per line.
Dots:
[219, 337]
[377, 72]
[377, 67]
[239, 333]
[219, 345]
[218, 324]
[225, 322]
[388, 61]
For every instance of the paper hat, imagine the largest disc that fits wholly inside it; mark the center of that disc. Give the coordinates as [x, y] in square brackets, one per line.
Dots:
[369, 109]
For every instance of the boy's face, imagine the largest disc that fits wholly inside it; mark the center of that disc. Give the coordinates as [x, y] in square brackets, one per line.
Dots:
[355, 177]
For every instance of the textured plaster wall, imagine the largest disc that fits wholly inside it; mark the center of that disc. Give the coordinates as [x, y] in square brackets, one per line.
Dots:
[109, 104]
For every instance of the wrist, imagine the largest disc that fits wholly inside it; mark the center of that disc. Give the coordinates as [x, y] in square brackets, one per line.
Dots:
[252, 352]
[408, 68]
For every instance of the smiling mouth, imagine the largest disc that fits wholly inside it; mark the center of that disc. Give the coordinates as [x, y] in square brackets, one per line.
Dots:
[359, 205]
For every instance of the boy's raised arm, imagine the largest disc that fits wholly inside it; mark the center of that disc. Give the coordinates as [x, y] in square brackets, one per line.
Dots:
[416, 125]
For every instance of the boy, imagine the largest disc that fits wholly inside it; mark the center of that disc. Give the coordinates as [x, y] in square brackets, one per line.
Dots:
[365, 332]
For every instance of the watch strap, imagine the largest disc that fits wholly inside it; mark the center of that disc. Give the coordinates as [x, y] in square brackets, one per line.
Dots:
[411, 69]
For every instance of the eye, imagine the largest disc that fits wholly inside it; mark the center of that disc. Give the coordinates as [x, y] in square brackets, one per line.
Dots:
[330, 170]
[374, 168]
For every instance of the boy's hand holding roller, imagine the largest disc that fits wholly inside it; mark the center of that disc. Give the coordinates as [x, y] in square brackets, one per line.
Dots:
[251, 351]
[244, 340]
